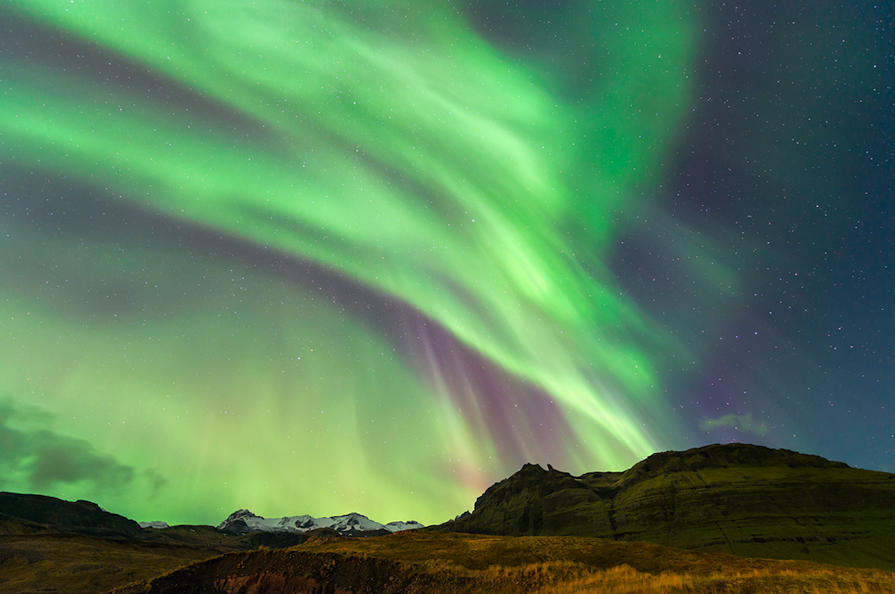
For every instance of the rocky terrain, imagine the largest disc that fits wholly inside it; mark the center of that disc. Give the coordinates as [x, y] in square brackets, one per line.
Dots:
[741, 499]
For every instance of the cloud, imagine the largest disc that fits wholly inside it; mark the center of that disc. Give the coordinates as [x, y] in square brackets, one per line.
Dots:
[731, 421]
[39, 458]
[61, 459]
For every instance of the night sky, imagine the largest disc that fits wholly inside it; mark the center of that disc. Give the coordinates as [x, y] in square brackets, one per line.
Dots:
[321, 257]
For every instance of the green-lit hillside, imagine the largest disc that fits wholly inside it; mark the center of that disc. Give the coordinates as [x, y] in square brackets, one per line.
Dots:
[740, 499]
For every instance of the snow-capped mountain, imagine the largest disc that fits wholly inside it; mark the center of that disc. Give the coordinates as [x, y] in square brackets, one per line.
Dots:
[243, 521]
[399, 526]
[156, 525]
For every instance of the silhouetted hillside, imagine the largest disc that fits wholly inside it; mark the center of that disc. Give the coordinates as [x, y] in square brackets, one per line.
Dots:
[82, 517]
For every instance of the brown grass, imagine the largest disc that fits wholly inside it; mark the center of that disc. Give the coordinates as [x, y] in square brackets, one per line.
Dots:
[624, 579]
[565, 565]
[454, 563]
[560, 578]
[70, 564]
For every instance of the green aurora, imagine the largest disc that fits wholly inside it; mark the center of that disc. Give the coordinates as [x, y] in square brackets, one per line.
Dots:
[345, 256]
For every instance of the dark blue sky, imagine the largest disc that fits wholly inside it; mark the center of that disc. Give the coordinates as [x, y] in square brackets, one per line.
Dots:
[785, 165]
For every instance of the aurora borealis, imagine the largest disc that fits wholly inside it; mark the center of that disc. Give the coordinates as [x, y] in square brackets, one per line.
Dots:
[320, 257]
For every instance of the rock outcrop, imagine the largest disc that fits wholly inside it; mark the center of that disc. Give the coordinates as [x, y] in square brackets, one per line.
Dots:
[742, 499]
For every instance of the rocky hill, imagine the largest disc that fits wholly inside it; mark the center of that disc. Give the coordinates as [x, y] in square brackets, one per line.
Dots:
[741, 499]
[39, 513]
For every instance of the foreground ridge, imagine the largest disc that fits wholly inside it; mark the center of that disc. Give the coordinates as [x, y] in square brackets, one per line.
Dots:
[425, 562]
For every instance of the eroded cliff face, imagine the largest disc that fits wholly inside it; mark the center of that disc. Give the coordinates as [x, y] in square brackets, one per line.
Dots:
[737, 498]
[295, 572]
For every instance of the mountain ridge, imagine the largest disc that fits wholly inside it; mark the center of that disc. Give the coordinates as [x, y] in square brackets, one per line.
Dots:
[753, 501]
[22, 513]
[244, 521]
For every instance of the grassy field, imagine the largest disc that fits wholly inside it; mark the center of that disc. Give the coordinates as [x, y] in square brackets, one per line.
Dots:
[69, 564]
[459, 563]
[410, 562]
[576, 564]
